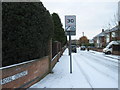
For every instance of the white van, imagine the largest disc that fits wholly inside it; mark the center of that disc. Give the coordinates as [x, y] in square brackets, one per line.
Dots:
[108, 49]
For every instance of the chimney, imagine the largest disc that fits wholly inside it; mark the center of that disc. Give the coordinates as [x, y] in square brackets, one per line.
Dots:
[102, 30]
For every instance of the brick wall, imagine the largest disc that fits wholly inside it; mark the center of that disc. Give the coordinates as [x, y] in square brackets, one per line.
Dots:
[28, 73]
[116, 49]
[55, 60]
[56, 57]
[97, 49]
[56, 48]
[35, 70]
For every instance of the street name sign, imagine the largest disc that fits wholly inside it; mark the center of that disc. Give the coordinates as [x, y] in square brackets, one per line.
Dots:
[12, 78]
[70, 24]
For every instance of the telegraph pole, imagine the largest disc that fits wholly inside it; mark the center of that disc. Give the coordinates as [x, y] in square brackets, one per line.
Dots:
[83, 33]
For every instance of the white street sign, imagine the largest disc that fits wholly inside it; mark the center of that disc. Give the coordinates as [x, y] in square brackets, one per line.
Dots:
[70, 23]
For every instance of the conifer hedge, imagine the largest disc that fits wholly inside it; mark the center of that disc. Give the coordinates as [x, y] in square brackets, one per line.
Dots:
[59, 33]
[26, 29]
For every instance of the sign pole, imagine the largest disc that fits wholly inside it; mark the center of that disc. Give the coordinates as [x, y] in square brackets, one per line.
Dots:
[70, 27]
[69, 42]
[70, 52]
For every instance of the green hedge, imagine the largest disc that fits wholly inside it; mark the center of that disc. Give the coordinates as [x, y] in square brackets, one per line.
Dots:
[26, 29]
[59, 33]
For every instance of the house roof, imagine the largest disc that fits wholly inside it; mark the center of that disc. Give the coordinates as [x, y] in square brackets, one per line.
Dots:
[100, 34]
[113, 29]
[107, 31]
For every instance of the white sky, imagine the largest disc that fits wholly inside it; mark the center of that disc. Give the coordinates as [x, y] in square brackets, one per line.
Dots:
[91, 15]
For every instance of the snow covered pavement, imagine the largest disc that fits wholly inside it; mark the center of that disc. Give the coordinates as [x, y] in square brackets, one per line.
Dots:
[90, 70]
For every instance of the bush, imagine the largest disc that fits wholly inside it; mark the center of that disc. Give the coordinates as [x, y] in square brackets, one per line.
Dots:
[26, 29]
[59, 33]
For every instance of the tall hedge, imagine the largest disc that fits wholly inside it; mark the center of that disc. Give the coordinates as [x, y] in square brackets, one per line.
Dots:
[59, 33]
[26, 29]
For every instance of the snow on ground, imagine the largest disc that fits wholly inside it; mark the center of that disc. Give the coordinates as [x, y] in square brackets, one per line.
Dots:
[90, 70]
[106, 55]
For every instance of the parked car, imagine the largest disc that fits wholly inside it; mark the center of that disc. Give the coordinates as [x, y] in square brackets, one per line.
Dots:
[88, 48]
[108, 49]
[82, 48]
[73, 48]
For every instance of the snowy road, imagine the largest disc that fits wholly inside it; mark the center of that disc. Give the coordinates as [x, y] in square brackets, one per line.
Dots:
[90, 70]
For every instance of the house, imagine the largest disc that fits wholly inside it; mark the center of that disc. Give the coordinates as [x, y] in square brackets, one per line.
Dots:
[75, 42]
[99, 40]
[113, 34]
[91, 41]
[102, 39]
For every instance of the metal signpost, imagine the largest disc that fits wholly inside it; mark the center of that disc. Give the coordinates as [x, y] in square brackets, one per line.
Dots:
[70, 27]
[119, 12]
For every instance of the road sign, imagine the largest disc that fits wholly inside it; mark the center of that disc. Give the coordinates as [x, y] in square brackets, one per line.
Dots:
[70, 24]
[71, 33]
[70, 27]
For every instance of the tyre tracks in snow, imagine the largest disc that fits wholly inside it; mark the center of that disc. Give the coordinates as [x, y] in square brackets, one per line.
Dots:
[101, 72]
[107, 58]
[85, 75]
[101, 61]
[85, 59]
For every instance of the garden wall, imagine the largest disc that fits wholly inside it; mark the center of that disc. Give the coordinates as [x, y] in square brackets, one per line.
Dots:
[116, 49]
[25, 74]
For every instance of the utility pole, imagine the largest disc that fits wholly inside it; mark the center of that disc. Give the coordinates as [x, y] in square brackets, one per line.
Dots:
[83, 33]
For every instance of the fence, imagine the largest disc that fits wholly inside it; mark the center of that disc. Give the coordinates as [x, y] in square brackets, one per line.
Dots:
[56, 57]
[116, 49]
[56, 47]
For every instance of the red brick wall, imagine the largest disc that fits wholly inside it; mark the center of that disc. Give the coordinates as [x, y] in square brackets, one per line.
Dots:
[38, 68]
[97, 49]
[116, 49]
[55, 60]
[116, 52]
[56, 57]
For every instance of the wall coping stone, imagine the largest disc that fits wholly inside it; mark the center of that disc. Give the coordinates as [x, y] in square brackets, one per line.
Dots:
[14, 65]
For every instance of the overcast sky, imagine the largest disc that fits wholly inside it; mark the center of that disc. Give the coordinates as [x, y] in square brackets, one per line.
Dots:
[91, 15]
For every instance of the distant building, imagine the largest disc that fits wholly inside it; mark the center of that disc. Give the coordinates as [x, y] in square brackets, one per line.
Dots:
[75, 42]
[99, 40]
[91, 41]
[102, 39]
